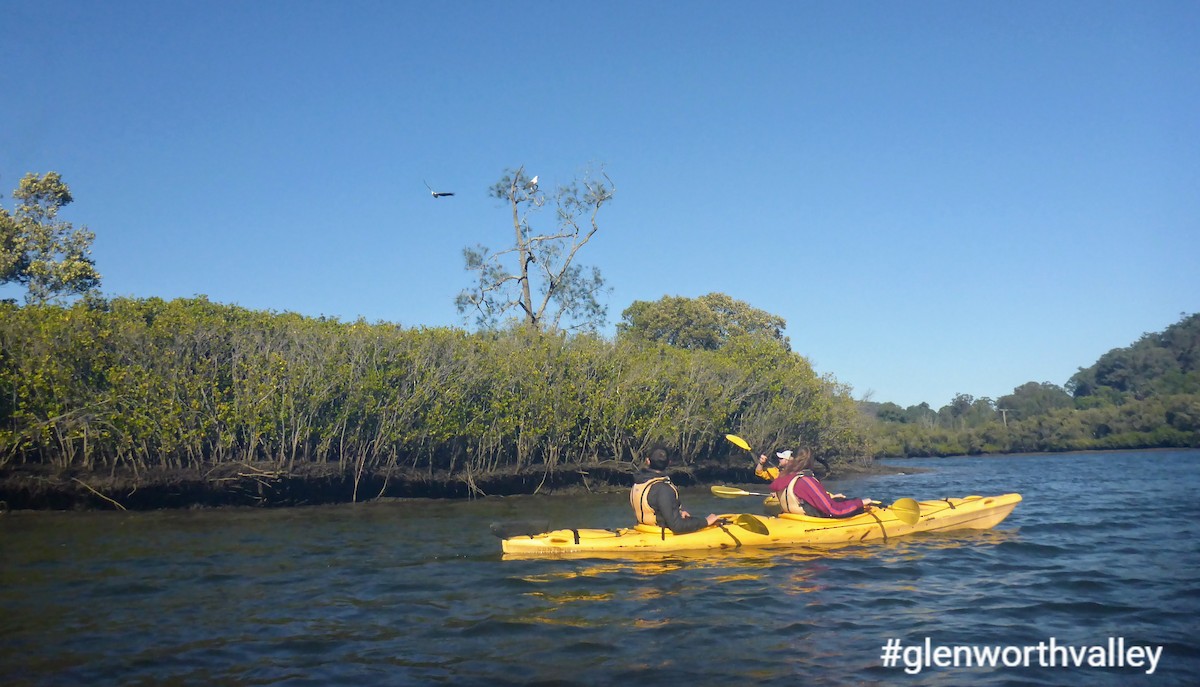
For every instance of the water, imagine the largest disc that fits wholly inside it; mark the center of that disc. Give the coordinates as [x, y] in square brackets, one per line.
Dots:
[1104, 545]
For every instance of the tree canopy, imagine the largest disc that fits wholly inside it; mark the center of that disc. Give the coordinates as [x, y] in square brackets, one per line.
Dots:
[50, 257]
[704, 323]
[1032, 398]
[1162, 362]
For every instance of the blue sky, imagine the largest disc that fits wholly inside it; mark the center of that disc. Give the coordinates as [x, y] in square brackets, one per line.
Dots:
[938, 197]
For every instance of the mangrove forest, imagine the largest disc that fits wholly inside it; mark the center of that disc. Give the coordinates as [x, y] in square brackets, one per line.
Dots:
[142, 403]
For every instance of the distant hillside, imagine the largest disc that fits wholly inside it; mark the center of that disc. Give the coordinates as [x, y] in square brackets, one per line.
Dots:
[1157, 364]
[1141, 396]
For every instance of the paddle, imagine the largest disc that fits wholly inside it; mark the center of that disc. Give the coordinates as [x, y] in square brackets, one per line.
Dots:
[741, 443]
[907, 511]
[750, 523]
[733, 492]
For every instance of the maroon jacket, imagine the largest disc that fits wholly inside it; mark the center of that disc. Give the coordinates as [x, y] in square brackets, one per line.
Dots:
[809, 490]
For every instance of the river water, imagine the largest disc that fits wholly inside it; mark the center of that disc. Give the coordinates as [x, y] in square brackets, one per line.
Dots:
[1104, 546]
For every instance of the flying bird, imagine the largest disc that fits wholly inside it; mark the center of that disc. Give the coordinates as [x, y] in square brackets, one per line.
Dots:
[437, 194]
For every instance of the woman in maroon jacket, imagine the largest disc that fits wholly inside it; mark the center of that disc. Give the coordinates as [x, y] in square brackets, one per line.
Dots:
[799, 491]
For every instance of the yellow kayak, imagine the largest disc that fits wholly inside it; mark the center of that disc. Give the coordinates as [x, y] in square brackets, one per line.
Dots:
[944, 515]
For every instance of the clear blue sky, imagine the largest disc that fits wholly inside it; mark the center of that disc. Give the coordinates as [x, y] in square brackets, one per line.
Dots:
[938, 197]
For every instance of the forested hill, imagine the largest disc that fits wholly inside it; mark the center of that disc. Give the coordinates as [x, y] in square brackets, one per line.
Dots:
[1158, 364]
[1145, 395]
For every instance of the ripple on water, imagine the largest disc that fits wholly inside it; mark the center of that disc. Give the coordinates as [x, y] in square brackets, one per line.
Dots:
[418, 593]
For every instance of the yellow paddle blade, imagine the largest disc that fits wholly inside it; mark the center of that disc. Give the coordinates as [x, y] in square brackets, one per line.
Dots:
[908, 511]
[752, 524]
[728, 492]
[733, 492]
[738, 441]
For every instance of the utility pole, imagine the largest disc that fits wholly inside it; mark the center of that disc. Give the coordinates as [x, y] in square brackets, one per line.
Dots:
[1004, 414]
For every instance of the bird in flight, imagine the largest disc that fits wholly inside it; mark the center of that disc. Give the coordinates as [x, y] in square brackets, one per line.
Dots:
[437, 194]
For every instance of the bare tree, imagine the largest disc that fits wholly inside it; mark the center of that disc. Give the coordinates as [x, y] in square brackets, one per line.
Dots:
[537, 280]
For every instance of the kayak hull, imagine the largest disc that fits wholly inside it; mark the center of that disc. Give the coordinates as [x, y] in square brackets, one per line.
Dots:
[944, 515]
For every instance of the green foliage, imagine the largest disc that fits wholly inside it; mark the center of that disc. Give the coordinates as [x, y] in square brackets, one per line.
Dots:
[1143, 396]
[1165, 362]
[1032, 398]
[146, 383]
[46, 255]
[704, 323]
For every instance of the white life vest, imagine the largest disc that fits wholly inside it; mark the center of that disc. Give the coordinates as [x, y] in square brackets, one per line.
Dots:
[788, 501]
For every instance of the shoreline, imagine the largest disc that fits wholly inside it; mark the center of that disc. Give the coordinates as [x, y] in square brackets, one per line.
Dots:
[264, 485]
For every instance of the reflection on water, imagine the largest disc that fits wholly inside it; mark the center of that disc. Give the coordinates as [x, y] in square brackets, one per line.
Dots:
[418, 592]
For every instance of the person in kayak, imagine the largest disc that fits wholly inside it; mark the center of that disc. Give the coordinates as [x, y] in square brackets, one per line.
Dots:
[655, 500]
[799, 491]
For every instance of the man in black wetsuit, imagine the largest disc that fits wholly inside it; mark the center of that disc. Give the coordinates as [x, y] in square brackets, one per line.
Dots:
[655, 500]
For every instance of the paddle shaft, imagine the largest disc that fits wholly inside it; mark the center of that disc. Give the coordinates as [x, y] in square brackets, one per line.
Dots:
[733, 492]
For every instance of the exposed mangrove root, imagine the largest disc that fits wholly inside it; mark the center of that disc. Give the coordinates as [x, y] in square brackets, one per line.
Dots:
[89, 488]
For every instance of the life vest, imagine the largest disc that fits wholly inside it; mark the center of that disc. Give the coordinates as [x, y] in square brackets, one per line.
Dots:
[790, 503]
[639, 498]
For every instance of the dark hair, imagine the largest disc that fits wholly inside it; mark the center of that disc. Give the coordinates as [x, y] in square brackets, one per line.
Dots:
[659, 458]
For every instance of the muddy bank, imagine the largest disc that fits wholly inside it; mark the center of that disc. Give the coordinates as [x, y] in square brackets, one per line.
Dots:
[264, 485]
